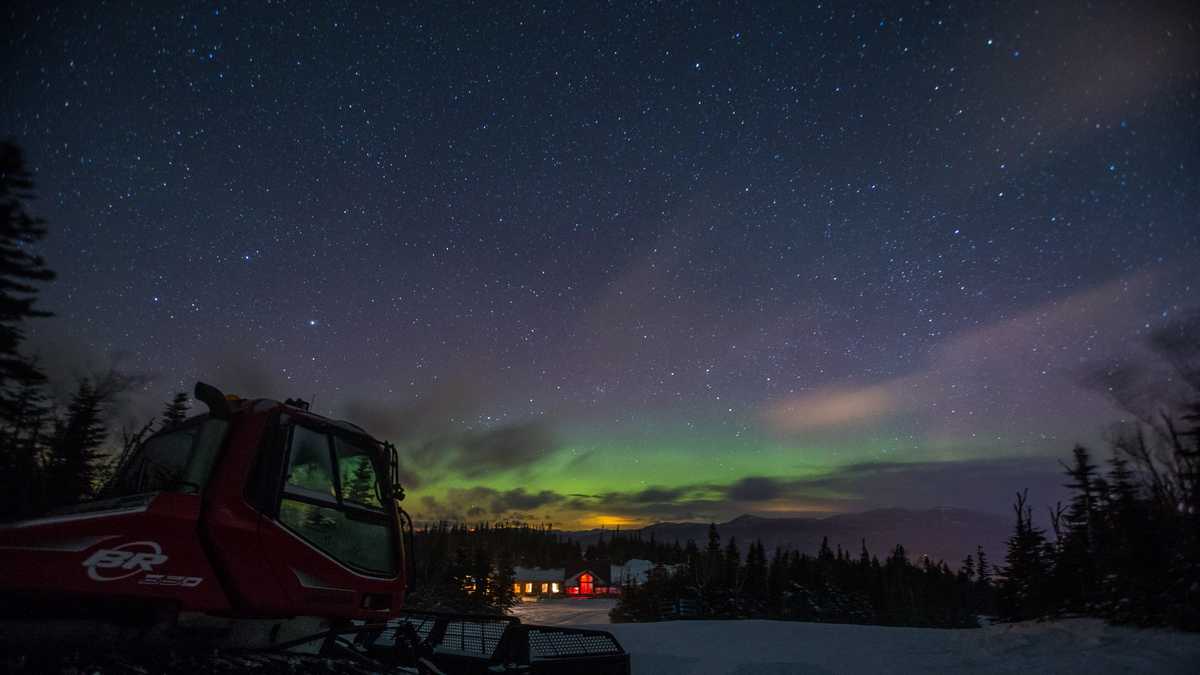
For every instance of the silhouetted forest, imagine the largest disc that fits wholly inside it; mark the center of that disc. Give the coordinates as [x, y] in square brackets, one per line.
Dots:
[832, 586]
[1127, 546]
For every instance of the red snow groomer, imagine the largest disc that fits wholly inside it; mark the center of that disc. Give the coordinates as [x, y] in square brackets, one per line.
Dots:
[259, 526]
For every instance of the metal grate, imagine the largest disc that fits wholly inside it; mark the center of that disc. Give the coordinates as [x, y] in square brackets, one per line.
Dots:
[421, 624]
[549, 643]
[473, 637]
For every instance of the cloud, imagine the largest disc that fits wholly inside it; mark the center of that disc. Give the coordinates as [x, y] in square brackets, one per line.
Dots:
[438, 439]
[504, 448]
[756, 489]
[832, 406]
[979, 383]
[654, 495]
[482, 501]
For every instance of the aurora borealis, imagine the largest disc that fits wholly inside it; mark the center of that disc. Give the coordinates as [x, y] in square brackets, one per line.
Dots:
[612, 264]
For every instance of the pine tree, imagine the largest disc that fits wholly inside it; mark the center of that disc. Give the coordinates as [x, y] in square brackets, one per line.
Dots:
[825, 553]
[501, 595]
[20, 268]
[1078, 547]
[75, 448]
[968, 568]
[21, 449]
[733, 563]
[176, 410]
[776, 580]
[984, 569]
[756, 571]
[692, 563]
[1023, 593]
[480, 573]
[712, 557]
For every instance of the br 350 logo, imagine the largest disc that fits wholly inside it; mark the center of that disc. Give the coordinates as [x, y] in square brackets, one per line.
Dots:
[131, 559]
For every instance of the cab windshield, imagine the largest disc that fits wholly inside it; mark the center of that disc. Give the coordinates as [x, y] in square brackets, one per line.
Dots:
[176, 460]
[334, 498]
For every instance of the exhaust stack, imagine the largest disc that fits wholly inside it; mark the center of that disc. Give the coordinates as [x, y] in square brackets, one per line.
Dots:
[218, 405]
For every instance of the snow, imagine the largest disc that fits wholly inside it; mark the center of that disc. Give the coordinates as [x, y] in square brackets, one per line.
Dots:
[790, 647]
[565, 612]
[786, 648]
[636, 571]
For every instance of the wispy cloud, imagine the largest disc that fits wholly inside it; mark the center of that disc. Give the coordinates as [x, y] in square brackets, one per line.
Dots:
[980, 382]
[833, 406]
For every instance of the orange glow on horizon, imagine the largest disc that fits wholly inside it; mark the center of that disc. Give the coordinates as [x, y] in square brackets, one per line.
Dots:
[606, 521]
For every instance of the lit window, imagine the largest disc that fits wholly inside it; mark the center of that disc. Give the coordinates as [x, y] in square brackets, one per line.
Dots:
[516, 588]
[529, 588]
[554, 587]
[545, 588]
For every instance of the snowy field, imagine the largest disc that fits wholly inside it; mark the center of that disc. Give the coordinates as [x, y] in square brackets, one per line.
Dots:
[791, 648]
[565, 612]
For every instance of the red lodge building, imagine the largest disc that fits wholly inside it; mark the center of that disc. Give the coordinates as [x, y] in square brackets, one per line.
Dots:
[581, 579]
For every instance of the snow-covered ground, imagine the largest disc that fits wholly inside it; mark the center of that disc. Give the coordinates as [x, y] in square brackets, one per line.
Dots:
[565, 612]
[790, 648]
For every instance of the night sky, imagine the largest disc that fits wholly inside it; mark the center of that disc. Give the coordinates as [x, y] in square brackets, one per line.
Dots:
[611, 264]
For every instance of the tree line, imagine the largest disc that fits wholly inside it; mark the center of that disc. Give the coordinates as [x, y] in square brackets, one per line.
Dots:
[831, 586]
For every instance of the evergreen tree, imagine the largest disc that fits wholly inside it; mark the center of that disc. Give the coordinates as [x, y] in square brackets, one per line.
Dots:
[20, 269]
[480, 573]
[692, 563]
[21, 450]
[733, 563]
[712, 557]
[776, 580]
[502, 595]
[1023, 593]
[984, 569]
[825, 553]
[176, 410]
[1077, 551]
[756, 571]
[72, 465]
[968, 568]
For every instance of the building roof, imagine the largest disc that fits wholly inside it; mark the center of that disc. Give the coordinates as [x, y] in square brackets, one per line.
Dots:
[601, 569]
[538, 573]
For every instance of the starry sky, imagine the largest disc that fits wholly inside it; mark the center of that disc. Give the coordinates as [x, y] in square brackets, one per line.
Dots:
[608, 264]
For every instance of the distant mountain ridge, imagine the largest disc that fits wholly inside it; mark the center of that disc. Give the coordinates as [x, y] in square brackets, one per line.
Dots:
[942, 534]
